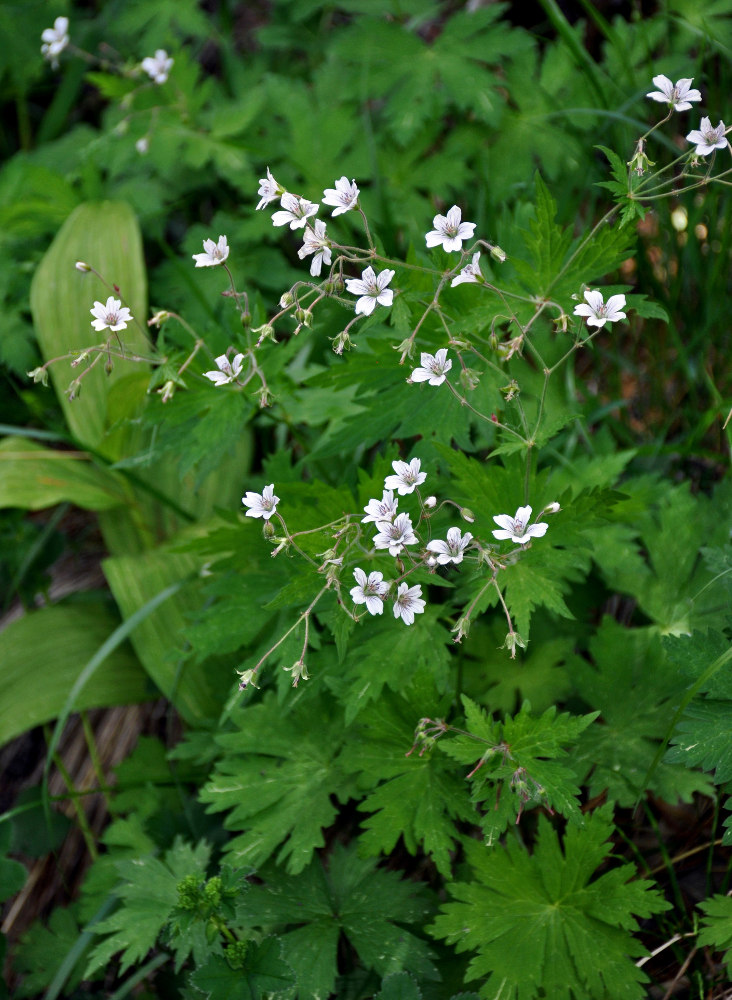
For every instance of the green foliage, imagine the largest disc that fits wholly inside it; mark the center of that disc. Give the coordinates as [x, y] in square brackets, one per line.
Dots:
[556, 914]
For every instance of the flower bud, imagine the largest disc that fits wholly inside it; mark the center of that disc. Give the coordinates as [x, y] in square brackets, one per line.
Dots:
[142, 145]
[286, 300]
[430, 502]
[467, 514]
[268, 529]
[498, 254]
[304, 316]
[80, 359]
[246, 320]
[81, 266]
[159, 318]
[551, 508]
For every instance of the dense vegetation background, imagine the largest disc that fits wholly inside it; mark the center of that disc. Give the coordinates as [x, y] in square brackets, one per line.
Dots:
[562, 814]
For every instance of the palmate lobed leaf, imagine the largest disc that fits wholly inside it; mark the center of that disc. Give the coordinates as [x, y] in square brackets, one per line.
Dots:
[538, 922]
[348, 895]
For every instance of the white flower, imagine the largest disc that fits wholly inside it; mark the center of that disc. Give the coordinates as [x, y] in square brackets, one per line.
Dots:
[451, 550]
[381, 510]
[314, 241]
[370, 591]
[158, 66]
[517, 528]
[142, 145]
[262, 504]
[269, 190]
[430, 502]
[228, 371]
[707, 138]
[599, 313]
[408, 603]
[295, 211]
[112, 314]
[395, 536]
[215, 253]
[450, 231]
[471, 272]
[55, 40]
[676, 95]
[433, 368]
[344, 196]
[372, 289]
[407, 477]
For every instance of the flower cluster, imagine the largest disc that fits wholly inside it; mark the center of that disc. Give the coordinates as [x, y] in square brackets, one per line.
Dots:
[55, 40]
[158, 66]
[678, 96]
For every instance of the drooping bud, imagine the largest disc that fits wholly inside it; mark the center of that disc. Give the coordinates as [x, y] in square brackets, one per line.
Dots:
[467, 514]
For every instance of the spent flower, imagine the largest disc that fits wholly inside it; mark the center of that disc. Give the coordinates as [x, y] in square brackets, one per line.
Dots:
[407, 477]
[370, 590]
[228, 371]
[110, 315]
[708, 139]
[371, 288]
[214, 253]
[597, 311]
[518, 528]
[344, 196]
[262, 504]
[158, 66]
[676, 95]
[450, 231]
[408, 603]
[433, 368]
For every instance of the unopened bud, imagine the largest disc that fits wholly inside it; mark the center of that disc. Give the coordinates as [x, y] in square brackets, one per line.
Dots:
[80, 359]
[108, 366]
[81, 266]
[268, 529]
[286, 300]
[498, 254]
[467, 514]
[551, 508]
[430, 502]
[246, 320]
[304, 316]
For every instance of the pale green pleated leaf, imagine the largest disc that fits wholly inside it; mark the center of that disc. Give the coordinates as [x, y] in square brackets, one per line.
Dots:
[33, 477]
[106, 236]
[43, 653]
[136, 579]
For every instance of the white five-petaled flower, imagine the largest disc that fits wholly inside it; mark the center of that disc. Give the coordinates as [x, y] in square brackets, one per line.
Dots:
[518, 528]
[408, 603]
[262, 504]
[295, 211]
[676, 95]
[158, 66]
[407, 477]
[599, 313]
[450, 231]
[452, 550]
[269, 190]
[708, 139]
[394, 536]
[471, 272]
[381, 510]
[433, 368]
[343, 196]
[315, 241]
[228, 371]
[112, 315]
[372, 289]
[370, 591]
[215, 253]
[55, 40]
